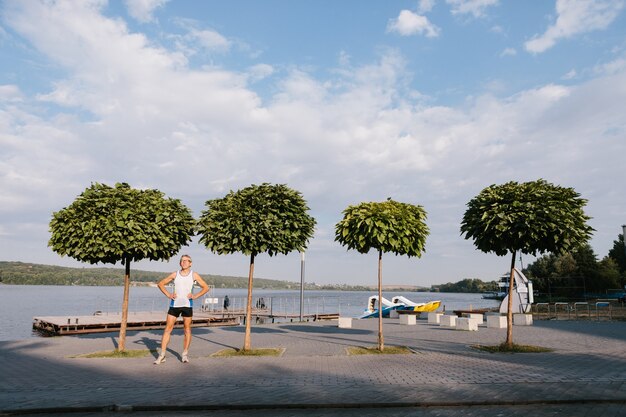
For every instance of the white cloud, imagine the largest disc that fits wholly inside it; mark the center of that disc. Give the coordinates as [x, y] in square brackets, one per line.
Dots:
[474, 7]
[409, 23]
[9, 92]
[260, 71]
[197, 39]
[360, 135]
[143, 10]
[508, 52]
[425, 6]
[3, 34]
[613, 67]
[40, 157]
[210, 40]
[570, 75]
[575, 17]
[344, 59]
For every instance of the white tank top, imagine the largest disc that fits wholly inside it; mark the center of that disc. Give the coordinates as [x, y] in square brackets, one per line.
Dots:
[183, 285]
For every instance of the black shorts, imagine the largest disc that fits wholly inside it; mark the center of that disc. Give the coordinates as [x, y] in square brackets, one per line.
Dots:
[177, 311]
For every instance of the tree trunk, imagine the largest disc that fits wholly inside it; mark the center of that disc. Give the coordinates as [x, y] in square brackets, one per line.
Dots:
[509, 311]
[246, 339]
[381, 341]
[122, 344]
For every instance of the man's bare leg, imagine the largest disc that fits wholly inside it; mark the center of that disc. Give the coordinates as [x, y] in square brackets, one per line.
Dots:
[187, 339]
[165, 340]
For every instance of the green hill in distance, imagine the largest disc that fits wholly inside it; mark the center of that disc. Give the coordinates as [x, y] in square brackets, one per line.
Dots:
[22, 273]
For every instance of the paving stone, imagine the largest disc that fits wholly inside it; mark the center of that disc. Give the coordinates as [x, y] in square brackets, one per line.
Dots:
[585, 372]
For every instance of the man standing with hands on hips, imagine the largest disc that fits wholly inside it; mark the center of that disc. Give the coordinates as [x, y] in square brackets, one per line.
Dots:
[181, 304]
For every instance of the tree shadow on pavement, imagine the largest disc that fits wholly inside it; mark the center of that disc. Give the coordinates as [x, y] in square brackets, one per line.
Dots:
[323, 329]
[253, 329]
[36, 376]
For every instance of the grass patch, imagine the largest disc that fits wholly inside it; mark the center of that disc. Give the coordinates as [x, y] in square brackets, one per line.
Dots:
[503, 348]
[225, 353]
[138, 353]
[389, 350]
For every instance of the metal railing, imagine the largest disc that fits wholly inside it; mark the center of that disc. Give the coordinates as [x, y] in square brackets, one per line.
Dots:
[604, 306]
[609, 309]
[581, 305]
[564, 307]
[274, 306]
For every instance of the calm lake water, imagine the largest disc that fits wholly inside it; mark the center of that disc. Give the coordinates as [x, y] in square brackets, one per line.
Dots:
[20, 303]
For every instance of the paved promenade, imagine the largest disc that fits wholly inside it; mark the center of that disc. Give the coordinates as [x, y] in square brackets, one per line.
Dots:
[585, 375]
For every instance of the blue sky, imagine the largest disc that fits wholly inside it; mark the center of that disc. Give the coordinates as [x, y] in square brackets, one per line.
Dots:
[426, 101]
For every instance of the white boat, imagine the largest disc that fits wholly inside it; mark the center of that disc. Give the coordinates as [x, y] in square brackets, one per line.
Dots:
[397, 303]
[522, 292]
[494, 295]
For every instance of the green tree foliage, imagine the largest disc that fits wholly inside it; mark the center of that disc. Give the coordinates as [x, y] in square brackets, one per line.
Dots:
[257, 219]
[467, 285]
[618, 254]
[607, 276]
[586, 261]
[552, 274]
[574, 274]
[110, 224]
[531, 217]
[388, 226]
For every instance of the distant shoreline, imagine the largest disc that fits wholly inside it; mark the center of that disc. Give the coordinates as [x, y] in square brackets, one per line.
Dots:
[331, 287]
[23, 273]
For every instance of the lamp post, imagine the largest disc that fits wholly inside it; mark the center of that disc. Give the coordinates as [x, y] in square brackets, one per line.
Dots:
[624, 237]
[302, 283]
[624, 240]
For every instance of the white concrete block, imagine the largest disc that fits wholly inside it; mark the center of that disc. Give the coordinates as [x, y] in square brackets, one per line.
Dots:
[345, 322]
[393, 314]
[466, 323]
[478, 318]
[522, 319]
[407, 319]
[447, 320]
[496, 322]
[434, 318]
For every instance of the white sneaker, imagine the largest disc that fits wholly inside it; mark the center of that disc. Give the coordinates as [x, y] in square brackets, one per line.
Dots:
[185, 357]
[160, 359]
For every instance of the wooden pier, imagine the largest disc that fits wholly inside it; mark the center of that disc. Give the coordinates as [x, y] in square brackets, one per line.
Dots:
[153, 320]
[293, 317]
[103, 323]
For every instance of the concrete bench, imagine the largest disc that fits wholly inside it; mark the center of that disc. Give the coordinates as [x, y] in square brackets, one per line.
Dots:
[466, 323]
[476, 317]
[408, 319]
[434, 318]
[522, 319]
[393, 314]
[447, 320]
[345, 322]
[496, 322]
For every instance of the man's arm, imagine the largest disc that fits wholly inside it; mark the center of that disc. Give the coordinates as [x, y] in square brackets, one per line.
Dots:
[200, 281]
[166, 281]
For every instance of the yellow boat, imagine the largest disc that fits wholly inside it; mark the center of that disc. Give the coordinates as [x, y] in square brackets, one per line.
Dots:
[397, 303]
[425, 307]
[411, 306]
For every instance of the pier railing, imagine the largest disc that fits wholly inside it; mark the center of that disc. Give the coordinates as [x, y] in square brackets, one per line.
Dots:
[272, 305]
[600, 309]
[278, 305]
